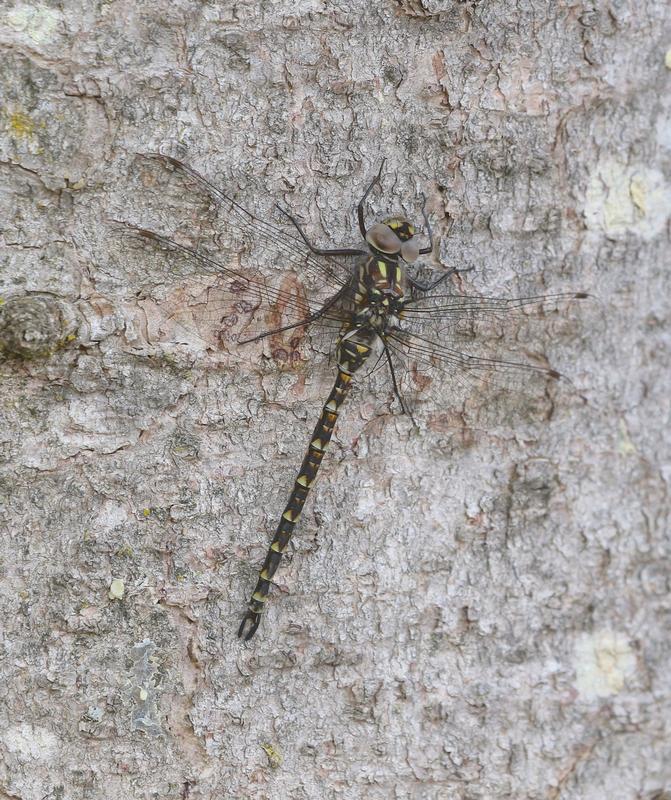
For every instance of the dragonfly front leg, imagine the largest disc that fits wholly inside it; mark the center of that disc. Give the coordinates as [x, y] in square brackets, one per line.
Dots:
[427, 287]
[360, 210]
[340, 251]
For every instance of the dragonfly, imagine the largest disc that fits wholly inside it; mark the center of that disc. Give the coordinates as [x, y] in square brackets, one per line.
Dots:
[374, 303]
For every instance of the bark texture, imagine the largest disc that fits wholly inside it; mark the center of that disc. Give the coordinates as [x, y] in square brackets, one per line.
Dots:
[475, 609]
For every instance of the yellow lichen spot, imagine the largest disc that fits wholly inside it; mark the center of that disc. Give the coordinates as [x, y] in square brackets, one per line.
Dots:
[625, 444]
[146, 512]
[126, 551]
[38, 23]
[71, 337]
[624, 198]
[21, 125]
[638, 192]
[274, 757]
[117, 589]
[602, 661]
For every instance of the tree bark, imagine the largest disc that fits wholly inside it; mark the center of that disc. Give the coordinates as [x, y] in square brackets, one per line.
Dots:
[478, 604]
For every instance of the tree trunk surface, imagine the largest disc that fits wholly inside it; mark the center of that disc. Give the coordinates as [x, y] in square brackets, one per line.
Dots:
[477, 601]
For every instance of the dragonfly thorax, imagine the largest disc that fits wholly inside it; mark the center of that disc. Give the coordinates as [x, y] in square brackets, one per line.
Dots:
[380, 294]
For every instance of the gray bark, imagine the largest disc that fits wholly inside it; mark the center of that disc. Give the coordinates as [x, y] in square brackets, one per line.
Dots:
[478, 609]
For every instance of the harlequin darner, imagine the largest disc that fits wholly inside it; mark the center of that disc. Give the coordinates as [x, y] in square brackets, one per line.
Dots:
[372, 302]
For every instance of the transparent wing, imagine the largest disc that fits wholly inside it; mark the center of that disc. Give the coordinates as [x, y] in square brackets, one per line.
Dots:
[272, 243]
[471, 346]
[207, 304]
[468, 366]
[449, 307]
[229, 278]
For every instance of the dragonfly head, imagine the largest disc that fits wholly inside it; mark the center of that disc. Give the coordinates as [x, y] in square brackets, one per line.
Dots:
[394, 237]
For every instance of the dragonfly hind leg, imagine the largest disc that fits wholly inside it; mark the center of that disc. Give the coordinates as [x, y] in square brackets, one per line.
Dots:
[317, 314]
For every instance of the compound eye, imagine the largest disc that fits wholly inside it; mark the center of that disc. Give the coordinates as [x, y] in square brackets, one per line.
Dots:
[410, 251]
[382, 238]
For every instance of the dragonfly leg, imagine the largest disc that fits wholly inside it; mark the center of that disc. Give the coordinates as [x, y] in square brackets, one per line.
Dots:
[394, 382]
[427, 287]
[360, 207]
[339, 251]
[317, 314]
[425, 250]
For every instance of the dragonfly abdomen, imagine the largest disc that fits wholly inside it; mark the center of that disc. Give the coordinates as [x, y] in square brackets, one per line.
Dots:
[354, 347]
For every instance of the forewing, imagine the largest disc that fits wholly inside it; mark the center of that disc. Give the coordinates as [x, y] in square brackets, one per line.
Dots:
[272, 242]
[225, 275]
